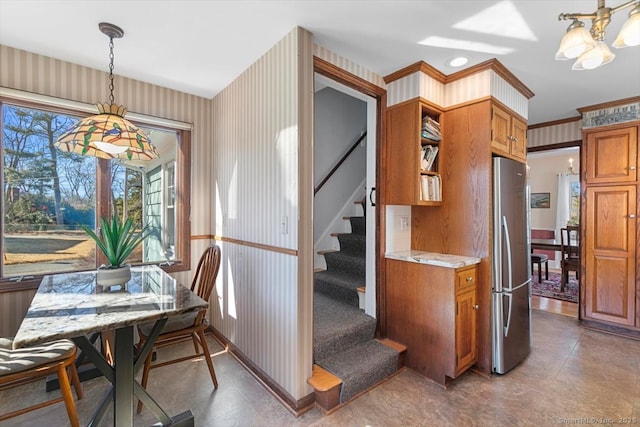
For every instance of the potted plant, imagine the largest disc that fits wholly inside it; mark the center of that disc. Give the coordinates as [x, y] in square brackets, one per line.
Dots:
[116, 241]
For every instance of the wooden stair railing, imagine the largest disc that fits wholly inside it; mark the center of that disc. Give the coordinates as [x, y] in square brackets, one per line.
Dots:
[340, 162]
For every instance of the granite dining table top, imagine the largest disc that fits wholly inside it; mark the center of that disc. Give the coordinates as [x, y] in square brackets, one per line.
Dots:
[72, 304]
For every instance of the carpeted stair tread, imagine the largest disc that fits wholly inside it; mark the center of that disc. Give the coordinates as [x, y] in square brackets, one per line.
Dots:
[338, 326]
[341, 287]
[361, 366]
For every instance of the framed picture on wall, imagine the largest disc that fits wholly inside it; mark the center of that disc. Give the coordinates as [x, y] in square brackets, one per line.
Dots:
[540, 200]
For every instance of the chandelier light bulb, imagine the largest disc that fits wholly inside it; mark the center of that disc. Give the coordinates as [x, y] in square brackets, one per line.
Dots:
[629, 34]
[576, 41]
[594, 58]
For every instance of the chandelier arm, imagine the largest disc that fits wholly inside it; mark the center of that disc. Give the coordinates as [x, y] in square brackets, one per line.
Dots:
[567, 16]
[624, 6]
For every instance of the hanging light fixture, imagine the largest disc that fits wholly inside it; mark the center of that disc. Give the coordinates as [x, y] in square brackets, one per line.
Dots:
[108, 135]
[589, 47]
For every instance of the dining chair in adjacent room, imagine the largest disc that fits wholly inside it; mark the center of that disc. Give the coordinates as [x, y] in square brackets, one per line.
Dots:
[22, 365]
[189, 325]
[570, 252]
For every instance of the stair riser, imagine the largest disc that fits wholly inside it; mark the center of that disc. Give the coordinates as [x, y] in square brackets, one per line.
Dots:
[358, 225]
[348, 265]
[353, 244]
[337, 291]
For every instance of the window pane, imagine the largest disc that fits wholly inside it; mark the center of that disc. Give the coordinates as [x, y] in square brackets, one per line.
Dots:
[126, 193]
[46, 195]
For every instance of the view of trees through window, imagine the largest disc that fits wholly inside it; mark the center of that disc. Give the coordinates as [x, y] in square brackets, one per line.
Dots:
[574, 203]
[48, 193]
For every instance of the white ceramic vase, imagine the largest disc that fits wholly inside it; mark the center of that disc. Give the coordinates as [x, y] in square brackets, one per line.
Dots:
[106, 277]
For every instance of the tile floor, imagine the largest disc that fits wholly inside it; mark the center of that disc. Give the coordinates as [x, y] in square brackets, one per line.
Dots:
[573, 376]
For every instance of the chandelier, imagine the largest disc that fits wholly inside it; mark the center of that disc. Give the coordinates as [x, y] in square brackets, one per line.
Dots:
[108, 135]
[588, 46]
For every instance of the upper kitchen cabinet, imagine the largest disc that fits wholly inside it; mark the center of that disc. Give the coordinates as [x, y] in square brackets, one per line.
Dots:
[508, 134]
[612, 155]
[414, 147]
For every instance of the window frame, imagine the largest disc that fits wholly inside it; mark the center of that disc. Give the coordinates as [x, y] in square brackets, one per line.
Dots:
[103, 186]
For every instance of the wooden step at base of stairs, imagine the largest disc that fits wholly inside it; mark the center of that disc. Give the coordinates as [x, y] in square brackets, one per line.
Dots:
[400, 348]
[327, 388]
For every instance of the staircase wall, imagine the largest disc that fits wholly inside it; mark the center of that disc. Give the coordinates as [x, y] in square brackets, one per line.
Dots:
[339, 120]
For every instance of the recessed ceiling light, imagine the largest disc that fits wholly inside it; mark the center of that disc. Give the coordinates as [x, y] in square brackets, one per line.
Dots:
[458, 62]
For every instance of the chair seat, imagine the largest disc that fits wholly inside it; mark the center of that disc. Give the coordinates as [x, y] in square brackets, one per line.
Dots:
[173, 324]
[23, 359]
[539, 258]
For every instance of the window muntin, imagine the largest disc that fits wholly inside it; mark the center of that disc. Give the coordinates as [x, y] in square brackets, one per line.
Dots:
[61, 190]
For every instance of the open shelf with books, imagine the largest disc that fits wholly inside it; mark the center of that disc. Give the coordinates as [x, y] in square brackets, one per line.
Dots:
[414, 136]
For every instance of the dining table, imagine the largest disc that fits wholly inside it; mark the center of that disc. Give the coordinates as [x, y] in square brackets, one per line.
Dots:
[545, 244]
[73, 305]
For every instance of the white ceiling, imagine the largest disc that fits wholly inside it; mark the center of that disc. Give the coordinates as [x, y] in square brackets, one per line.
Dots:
[199, 47]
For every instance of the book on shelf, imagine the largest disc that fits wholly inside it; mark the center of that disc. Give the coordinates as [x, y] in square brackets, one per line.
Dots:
[430, 188]
[430, 129]
[429, 153]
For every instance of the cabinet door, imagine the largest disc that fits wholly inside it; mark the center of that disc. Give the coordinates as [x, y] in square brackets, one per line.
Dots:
[403, 162]
[612, 155]
[466, 345]
[610, 253]
[500, 130]
[519, 139]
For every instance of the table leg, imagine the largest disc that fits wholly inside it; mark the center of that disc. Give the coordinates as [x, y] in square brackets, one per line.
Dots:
[122, 376]
[123, 384]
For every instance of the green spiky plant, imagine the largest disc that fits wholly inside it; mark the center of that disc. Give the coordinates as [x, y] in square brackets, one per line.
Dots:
[117, 239]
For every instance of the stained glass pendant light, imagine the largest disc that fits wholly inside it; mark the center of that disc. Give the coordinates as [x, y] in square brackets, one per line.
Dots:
[108, 135]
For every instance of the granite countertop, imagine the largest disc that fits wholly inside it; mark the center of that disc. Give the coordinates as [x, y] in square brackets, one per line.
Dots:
[69, 305]
[432, 258]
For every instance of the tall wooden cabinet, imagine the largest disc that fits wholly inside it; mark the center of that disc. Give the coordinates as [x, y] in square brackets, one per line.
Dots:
[610, 218]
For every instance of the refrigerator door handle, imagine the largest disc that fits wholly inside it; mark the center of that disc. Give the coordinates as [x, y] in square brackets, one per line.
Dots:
[508, 242]
[506, 328]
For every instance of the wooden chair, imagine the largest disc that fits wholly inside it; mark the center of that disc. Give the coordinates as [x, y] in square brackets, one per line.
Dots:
[570, 252]
[190, 325]
[540, 259]
[20, 366]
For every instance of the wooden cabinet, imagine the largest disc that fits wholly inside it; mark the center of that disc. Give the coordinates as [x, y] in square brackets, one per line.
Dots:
[611, 156]
[610, 253]
[408, 181]
[508, 134]
[433, 311]
[609, 214]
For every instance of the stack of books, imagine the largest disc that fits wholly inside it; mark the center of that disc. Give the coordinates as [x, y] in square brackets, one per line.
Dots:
[430, 188]
[430, 129]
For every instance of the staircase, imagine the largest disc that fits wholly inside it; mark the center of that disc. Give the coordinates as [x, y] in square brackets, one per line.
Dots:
[348, 359]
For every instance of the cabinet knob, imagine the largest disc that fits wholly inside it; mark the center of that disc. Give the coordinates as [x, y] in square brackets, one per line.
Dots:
[475, 307]
[632, 216]
[632, 168]
[469, 278]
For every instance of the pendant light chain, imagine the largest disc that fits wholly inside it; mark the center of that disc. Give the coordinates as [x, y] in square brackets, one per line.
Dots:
[111, 99]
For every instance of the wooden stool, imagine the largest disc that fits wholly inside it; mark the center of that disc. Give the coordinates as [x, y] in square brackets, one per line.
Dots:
[540, 259]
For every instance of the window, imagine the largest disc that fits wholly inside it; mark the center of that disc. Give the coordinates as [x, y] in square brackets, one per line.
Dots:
[47, 194]
[574, 203]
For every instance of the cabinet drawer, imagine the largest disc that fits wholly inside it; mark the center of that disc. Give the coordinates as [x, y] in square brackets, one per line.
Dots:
[465, 278]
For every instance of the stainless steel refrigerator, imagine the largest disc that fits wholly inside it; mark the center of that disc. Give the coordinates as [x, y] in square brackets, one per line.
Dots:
[511, 270]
